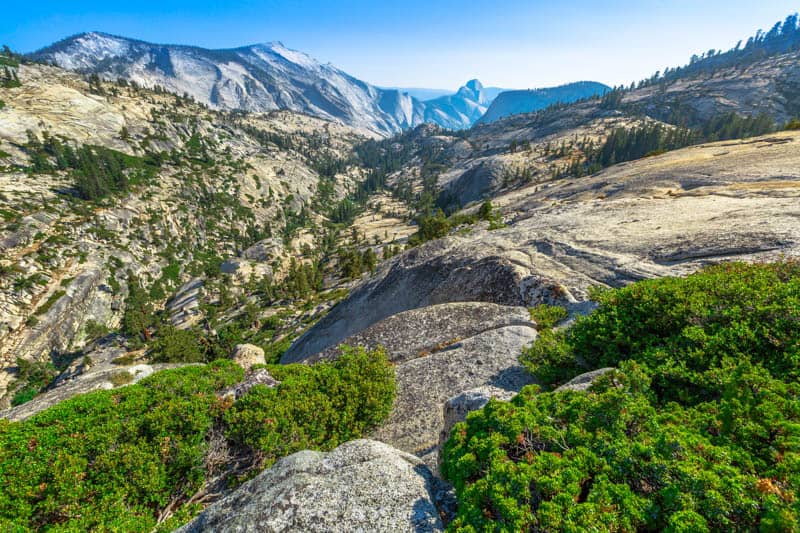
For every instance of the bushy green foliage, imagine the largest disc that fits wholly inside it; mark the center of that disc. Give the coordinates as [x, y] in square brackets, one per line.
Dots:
[547, 316]
[174, 345]
[315, 407]
[609, 460]
[32, 377]
[117, 460]
[686, 329]
[110, 460]
[698, 431]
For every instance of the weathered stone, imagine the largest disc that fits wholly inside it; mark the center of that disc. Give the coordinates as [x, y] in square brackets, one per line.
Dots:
[360, 486]
[420, 332]
[97, 377]
[247, 355]
[584, 381]
[424, 384]
[256, 377]
[184, 306]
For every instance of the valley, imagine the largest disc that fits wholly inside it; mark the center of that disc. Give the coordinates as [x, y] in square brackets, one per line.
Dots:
[351, 309]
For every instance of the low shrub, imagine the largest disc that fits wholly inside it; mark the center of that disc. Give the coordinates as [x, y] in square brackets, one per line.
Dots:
[316, 407]
[699, 430]
[610, 460]
[131, 459]
[547, 316]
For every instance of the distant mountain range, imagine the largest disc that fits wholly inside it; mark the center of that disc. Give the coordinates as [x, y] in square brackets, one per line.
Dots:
[527, 101]
[432, 94]
[266, 77]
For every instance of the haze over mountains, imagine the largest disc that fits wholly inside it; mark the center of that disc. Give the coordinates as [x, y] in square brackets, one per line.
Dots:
[266, 77]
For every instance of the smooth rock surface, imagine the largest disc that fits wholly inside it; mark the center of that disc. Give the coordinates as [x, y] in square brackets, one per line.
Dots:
[418, 332]
[426, 383]
[361, 486]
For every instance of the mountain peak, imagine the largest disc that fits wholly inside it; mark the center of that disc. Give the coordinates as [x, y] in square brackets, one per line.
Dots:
[473, 90]
[474, 85]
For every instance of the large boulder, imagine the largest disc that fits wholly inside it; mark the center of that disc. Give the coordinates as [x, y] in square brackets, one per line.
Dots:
[441, 351]
[247, 355]
[362, 485]
[424, 385]
[418, 332]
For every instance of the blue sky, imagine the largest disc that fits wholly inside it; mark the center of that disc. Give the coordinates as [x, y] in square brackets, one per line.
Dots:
[426, 43]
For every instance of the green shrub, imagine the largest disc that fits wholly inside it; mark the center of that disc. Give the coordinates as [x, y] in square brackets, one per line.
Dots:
[120, 378]
[95, 330]
[110, 460]
[686, 329]
[698, 431]
[316, 406]
[117, 460]
[547, 316]
[610, 460]
[32, 377]
[177, 346]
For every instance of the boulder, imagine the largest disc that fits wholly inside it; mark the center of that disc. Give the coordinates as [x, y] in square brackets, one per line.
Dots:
[584, 381]
[418, 332]
[424, 384]
[247, 355]
[362, 485]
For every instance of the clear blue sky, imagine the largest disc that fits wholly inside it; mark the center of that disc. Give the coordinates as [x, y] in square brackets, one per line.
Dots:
[426, 43]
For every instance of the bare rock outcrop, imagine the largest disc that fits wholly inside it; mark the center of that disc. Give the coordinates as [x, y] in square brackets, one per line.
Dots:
[424, 385]
[418, 332]
[99, 370]
[362, 485]
[441, 351]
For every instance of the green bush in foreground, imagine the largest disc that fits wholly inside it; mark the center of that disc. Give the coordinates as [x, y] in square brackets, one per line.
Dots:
[698, 431]
[115, 460]
[686, 329]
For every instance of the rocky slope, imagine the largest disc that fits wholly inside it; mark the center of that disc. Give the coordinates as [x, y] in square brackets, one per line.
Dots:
[659, 216]
[221, 187]
[452, 313]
